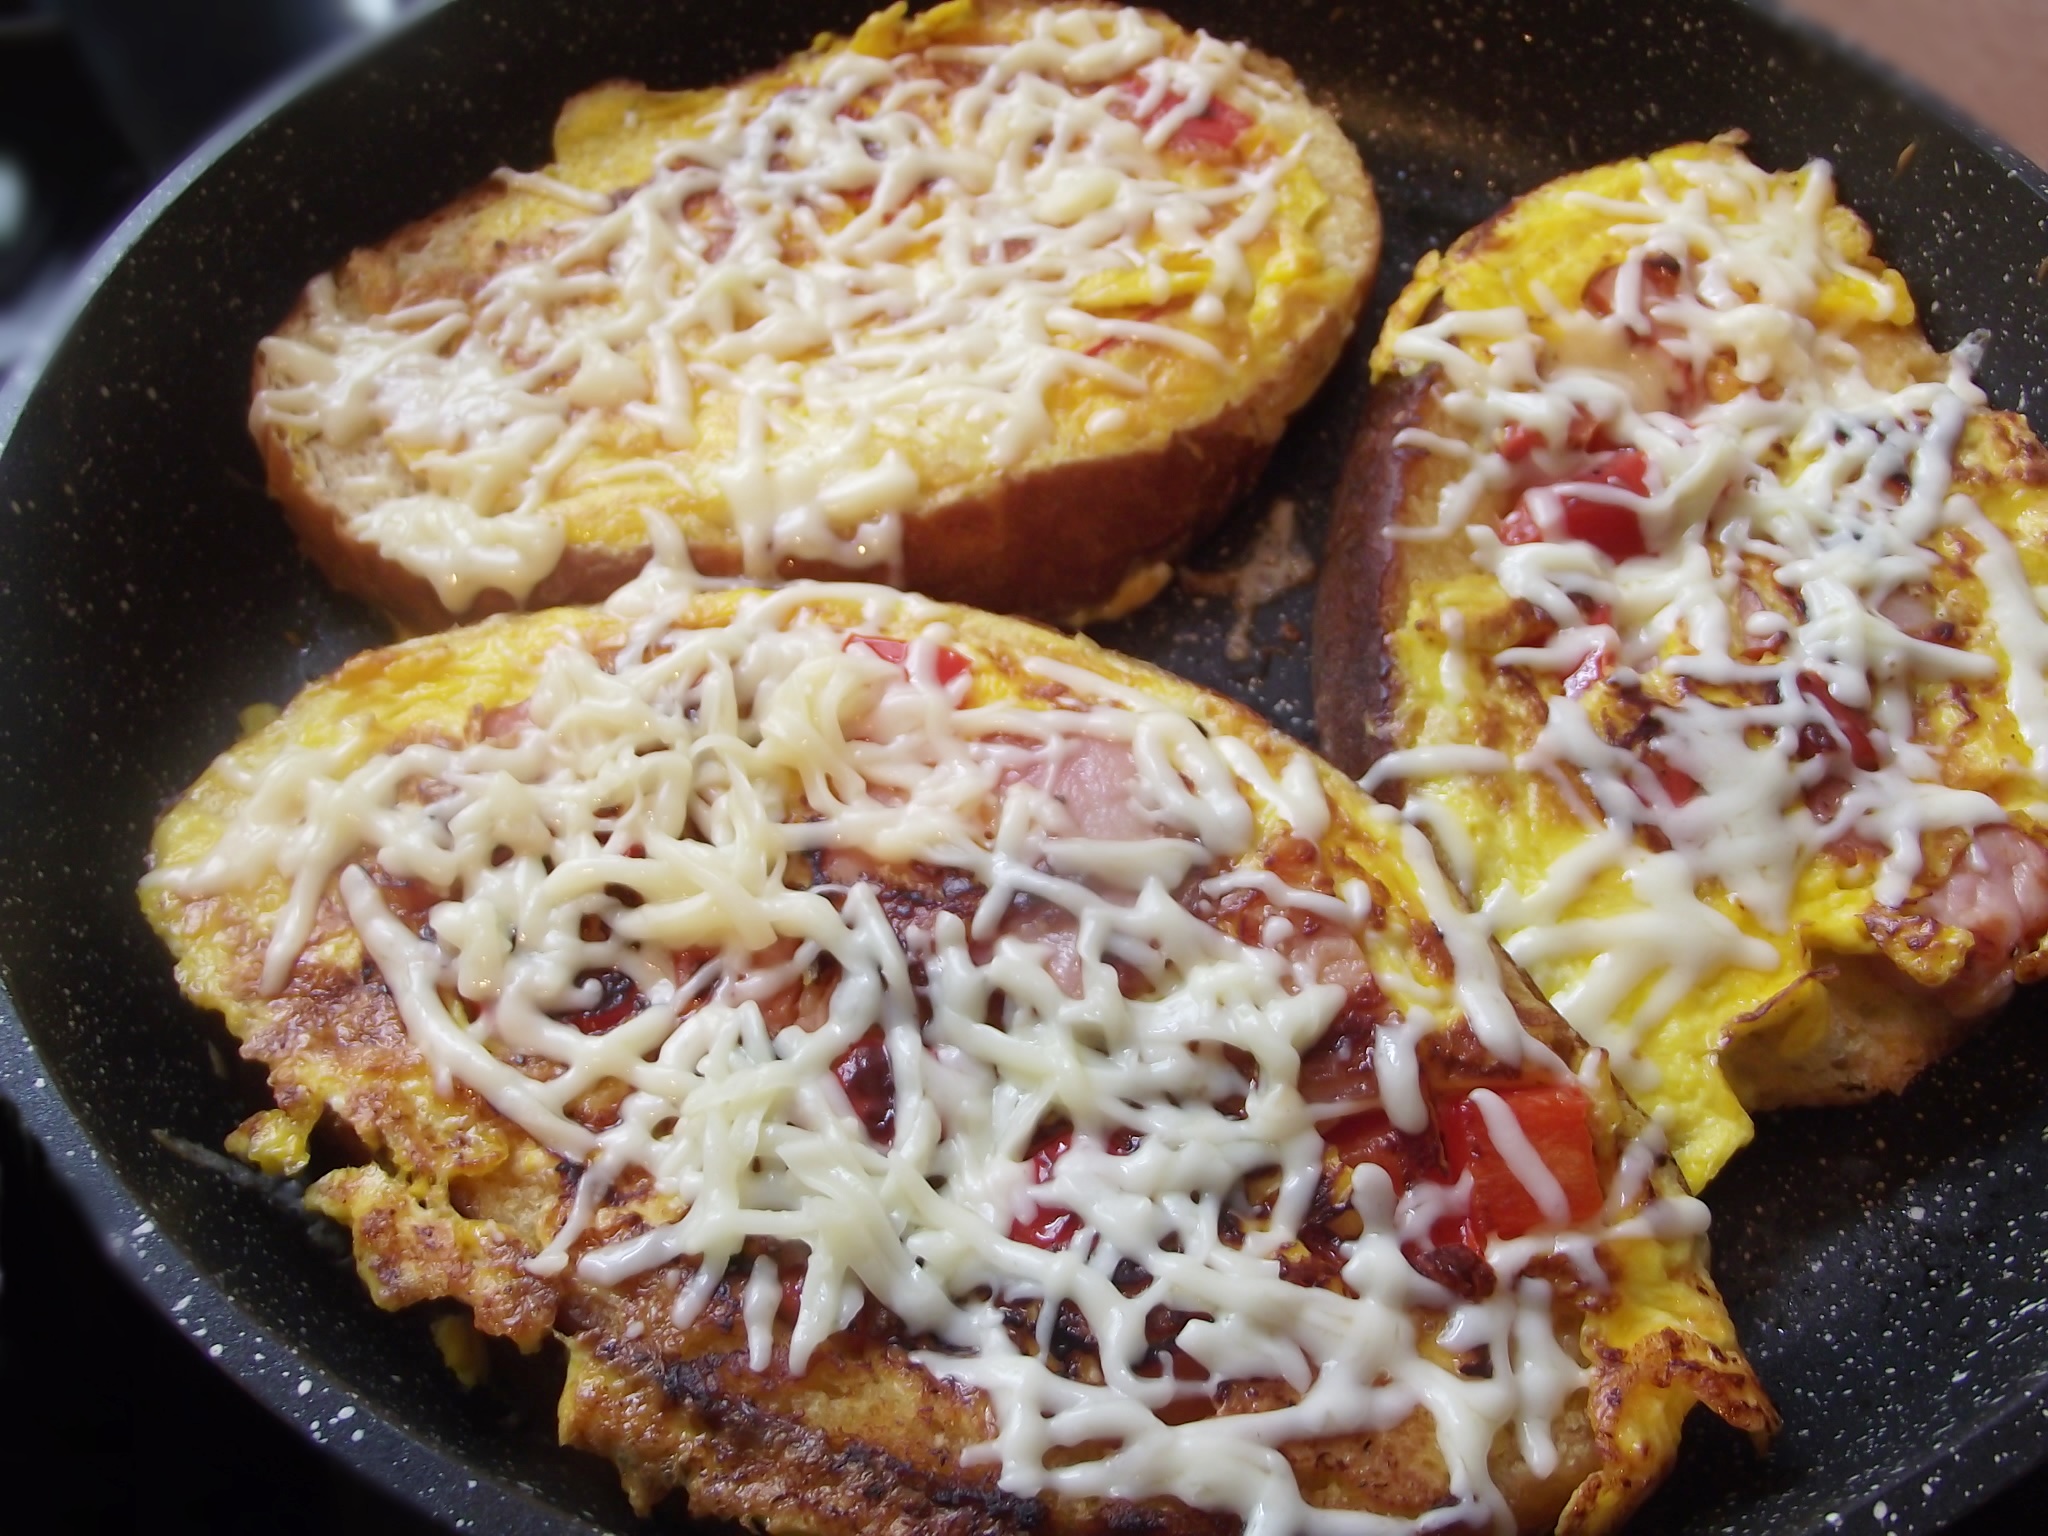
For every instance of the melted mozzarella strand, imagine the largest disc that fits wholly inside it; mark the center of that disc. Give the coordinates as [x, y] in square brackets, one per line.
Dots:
[680, 815]
[1836, 483]
[831, 275]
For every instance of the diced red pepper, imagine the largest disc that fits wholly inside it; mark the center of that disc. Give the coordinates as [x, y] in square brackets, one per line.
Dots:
[863, 1071]
[1597, 664]
[1855, 731]
[1678, 785]
[1370, 1137]
[949, 664]
[1050, 1149]
[1517, 442]
[1588, 433]
[1557, 1121]
[1519, 527]
[618, 1001]
[1048, 1226]
[1617, 532]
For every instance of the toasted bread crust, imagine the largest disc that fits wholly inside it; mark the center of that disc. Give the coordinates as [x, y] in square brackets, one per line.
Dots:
[448, 1198]
[1882, 1032]
[1089, 537]
[1358, 594]
[1877, 1028]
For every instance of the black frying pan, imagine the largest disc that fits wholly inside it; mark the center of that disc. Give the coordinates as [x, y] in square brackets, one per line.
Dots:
[1885, 1264]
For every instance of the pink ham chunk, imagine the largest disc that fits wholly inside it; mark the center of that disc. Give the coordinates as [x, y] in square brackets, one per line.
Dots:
[1998, 892]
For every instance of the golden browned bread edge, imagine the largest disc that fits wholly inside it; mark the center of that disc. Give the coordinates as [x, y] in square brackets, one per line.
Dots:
[1883, 1031]
[1072, 542]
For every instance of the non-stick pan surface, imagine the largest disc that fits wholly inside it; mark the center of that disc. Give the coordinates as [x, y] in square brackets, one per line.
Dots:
[1886, 1264]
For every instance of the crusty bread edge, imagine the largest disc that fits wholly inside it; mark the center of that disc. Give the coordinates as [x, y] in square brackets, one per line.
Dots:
[1882, 1032]
[1358, 588]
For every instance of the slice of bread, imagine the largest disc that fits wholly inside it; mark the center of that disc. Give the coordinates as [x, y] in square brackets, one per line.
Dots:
[937, 1075]
[1672, 558]
[1004, 303]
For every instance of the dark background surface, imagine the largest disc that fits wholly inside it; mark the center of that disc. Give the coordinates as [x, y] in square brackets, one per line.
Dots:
[98, 98]
[111, 1417]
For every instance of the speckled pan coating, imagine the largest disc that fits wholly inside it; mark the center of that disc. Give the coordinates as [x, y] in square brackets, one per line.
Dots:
[1889, 1264]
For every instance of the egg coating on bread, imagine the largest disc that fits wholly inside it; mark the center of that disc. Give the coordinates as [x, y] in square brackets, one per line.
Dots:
[1722, 581]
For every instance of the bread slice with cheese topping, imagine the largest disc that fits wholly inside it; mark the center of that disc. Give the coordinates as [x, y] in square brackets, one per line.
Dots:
[1004, 303]
[933, 1074]
[1689, 598]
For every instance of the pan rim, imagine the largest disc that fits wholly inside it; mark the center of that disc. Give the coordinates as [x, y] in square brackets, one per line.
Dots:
[84, 285]
[289, 1382]
[1895, 82]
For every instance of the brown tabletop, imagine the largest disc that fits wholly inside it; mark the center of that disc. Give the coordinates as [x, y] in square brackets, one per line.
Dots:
[1989, 57]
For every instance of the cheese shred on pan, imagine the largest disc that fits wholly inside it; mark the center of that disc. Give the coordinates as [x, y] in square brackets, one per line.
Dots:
[1719, 637]
[826, 971]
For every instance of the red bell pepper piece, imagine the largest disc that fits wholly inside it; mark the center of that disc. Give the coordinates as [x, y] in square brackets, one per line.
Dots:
[949, 665]
[863, 1071]
[1556, 1120]
[1854, 728]
[1517, 442]
[618, 1000]
[1048, 1226]
[1616, 531]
